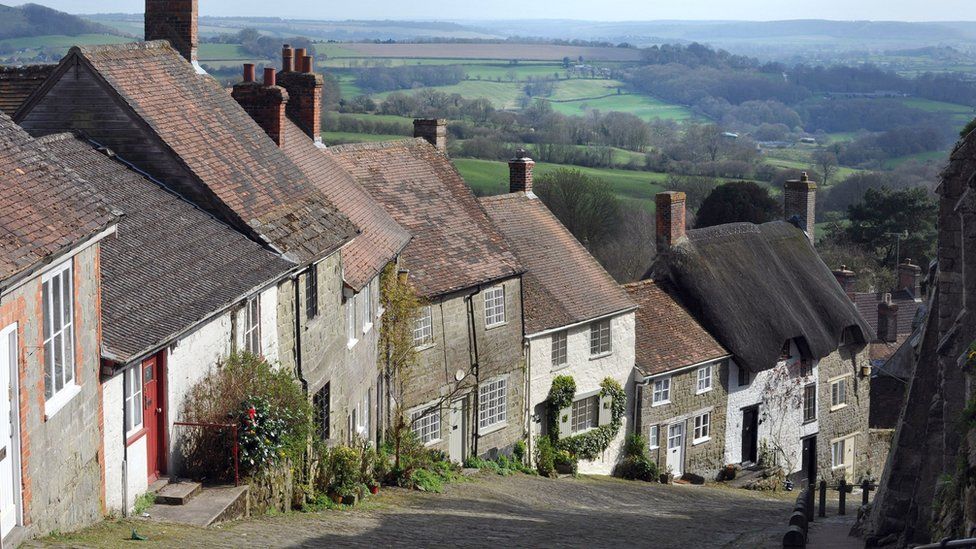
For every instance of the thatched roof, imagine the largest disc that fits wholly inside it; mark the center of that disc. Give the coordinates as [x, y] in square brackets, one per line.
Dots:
[756, 286]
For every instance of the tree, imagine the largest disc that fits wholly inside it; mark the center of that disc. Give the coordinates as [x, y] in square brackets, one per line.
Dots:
[826, 161]
[737, 201]
[885, 212]
[585, 205]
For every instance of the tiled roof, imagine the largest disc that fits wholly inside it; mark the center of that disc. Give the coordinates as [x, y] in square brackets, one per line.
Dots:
[563, 283]
[381, 238]
[44, 209]
[667, 336]
[454, 245]
[17, 83]
[171, 265]
[867, 305]
[223, 147]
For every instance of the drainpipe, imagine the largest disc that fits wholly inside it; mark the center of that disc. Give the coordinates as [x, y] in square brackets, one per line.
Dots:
[528, 397]
[298, 337]
[475, 365]
[638, 394]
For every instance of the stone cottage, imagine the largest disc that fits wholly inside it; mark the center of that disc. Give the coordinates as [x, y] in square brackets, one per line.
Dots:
[578, 321]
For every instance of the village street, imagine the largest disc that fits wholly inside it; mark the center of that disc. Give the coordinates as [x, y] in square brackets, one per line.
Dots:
[493, 511]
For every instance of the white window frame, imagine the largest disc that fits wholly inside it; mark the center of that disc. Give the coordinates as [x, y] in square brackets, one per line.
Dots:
[840, 443]
[252, 325]
[423, 328]
[560, 349]
[590, 406]
[495, 306]
[351, 321]
[661, 395]
[426, 426]
[703, 428]
[704, 379]
[654, 437]
[838, 392]
[64, 337]
[492, 405]
[811, 385]
[367, 308]
[601, 331]
[132, 399]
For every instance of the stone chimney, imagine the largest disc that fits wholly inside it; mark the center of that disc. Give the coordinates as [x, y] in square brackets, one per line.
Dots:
[909, 276]
[846, 279]
[434, 130]
[520, 173]
[670, 219]
[800, 203]
[265, 102]
[304, 88]
[887, 320]
[176, 21]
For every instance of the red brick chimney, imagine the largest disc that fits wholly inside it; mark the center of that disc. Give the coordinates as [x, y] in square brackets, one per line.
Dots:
[800, 203]
[304, 90]
[670, 219]
[520, 172]
[265, 102]
[887, 320]
[908, 277]
[434, 130]
[846, 279]
[176, 21]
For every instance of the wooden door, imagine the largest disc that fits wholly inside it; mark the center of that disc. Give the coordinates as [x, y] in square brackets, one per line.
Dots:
[809, 467]
[750, 433]
[9, 452]
[150, 415]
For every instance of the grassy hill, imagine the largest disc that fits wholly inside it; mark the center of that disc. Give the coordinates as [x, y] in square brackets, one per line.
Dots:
[34, 20]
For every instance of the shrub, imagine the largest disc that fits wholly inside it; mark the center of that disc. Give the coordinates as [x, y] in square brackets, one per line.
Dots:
[345, 474]
[635, 445]
[426, 481]
[518, 452]
[636, 465]
[545, 458]
[566, 462]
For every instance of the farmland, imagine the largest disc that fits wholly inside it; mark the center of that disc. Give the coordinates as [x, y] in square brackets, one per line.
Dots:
[540, 52]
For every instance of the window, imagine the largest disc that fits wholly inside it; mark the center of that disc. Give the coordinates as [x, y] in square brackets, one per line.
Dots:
[653, 437]
[321, 404]
[838, 453]
[743, 377]
[702, 423]
[559, 355]
[662, 392]
[351, 320]
[784, 353]
[493, 403]
[838, 393]
[423, 331]
[810, 402]
[704, 379]
[312, 292]
[585, 413]
[362, 425]
[427, 426]
[133, 400]
[367, 308]
[806, 367]
[494, 306]
[252, 325]
[600, 338]
[59, 349]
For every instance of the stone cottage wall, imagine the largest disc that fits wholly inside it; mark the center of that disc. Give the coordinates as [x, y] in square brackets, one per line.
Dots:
[849, 421]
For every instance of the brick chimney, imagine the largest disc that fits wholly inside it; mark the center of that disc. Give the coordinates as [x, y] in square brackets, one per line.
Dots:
[304, 90]
[265, 102]
[799, 203]
[670, 219]
[887, 320]
[176, 21]
[434, 130]
[846, 279]
[909, 276]
[520, 172]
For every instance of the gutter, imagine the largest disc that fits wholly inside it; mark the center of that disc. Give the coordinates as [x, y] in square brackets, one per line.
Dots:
[576, 324]
[649, 377]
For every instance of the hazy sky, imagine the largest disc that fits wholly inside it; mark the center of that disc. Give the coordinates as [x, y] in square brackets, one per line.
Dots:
[605, 10]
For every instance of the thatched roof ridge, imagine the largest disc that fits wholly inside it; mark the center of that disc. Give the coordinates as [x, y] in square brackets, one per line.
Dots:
[756, 286]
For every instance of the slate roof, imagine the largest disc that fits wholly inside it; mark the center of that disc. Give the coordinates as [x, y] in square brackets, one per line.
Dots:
[18, 82]
[755, 286]
[867, 305]
[223, 147]
[45, 210]
[454, 245]
[171, 265]
[667, 336]
[381, 238]
[563, 284]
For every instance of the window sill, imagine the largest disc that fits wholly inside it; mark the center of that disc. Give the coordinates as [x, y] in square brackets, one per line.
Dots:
[838, 407]
[58, 401]
[702, 440]
[433, 442]
[498, 325]
[601, 355]
[492, 428]
[703, 391]
[559, 367]
[838, 467]
[583, 432]
[654, 448]
[367, 328]
[131, 438]
[662, 403]
[423, 347]
[351, 343]
[809, 421]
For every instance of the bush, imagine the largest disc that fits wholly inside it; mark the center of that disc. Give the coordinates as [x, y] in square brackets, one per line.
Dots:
[518, 452]
[426, 481]
[635, 445]
[344, 469]
[636, 465]
[545, 458]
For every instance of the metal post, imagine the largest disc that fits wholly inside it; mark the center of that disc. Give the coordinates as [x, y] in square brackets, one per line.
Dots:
[865, 489]
[823, 498]
[809, 495]
[843, 497]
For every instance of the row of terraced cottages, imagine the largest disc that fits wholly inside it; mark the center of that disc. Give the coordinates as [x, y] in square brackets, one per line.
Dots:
[152, 223]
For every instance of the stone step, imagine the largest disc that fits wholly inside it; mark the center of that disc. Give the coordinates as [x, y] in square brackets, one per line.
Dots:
[212, 505]
[178, 492]
[159, 484]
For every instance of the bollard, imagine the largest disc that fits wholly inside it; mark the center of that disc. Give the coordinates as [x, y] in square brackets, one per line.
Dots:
[809, 494]
[865, 489]
[794, 538]
[842, 487]
[823, 498]
[799, 518]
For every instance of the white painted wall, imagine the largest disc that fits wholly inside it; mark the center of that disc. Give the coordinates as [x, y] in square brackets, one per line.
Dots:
[115, 451]
[269, 324]
[588, 375]
[779, 393]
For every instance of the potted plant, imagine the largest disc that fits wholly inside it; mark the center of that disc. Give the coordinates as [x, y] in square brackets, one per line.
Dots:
[565, 463]
[346, 475]
[667, 476]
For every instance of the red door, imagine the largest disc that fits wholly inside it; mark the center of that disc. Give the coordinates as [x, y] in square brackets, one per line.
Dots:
[150, 414]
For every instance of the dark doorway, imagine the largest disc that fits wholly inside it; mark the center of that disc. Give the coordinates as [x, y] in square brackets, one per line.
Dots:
[809, 471]
[750, 432]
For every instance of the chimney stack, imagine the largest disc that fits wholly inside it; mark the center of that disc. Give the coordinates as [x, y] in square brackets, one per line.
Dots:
[434, 130]
[799, 203]
[520, 172]
[846, 279]
[304, 91]
[176, 21]
[264, 102]
[908, 277]
[670, 219]
[887, 320]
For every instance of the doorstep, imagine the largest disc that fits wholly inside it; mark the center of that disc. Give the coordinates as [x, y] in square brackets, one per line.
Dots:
[212, 504]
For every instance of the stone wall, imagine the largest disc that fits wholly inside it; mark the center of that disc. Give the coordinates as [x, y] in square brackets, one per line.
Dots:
[849, 422]
[272, 489]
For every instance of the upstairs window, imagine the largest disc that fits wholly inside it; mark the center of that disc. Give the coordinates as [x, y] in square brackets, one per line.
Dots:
[784, 353]
[423, 328]
[806, 367]
[252, 325]
[367, 308]
[838, 393]
[743, 376]
[351, 321]
[600, 338]
[494, 306]
[312, 292]
[810, 402]
[59, 348]
[559, 349]
[662, 392]
[704, 379]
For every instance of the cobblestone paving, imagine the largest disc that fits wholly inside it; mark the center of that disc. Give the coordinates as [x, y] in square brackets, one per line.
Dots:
[494, 511]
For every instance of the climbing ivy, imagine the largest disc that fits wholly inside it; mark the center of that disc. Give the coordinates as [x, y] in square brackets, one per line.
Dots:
[590, 444]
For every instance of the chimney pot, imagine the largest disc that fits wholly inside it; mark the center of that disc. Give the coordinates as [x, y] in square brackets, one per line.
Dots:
[176, 21]
[846, 279]
[434, 130]
[520, 172]
[304, 95]
[670, 219]
[249, 72]
[307, 63]
[287, 58]
[909, 276]
[269, 76]
[299, 54]
[265, 104]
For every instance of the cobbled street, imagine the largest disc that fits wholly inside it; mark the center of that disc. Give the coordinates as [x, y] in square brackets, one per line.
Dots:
[493, 511]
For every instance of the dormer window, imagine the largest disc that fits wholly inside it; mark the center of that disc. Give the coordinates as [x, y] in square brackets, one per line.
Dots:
[784, 353]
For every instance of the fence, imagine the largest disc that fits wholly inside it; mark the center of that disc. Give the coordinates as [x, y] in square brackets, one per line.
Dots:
[235, 450]
[796, 534]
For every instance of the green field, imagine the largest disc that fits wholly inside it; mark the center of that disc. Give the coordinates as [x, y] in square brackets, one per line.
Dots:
[340, 138]
[210, 52]
[57, 41]
[642, 106]
[503, 95]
